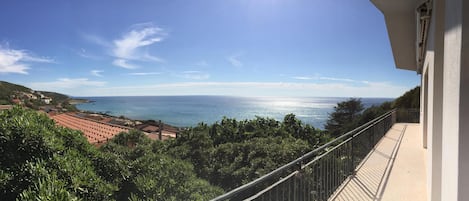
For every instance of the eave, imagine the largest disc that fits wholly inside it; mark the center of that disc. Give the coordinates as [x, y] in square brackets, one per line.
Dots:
[401, 24]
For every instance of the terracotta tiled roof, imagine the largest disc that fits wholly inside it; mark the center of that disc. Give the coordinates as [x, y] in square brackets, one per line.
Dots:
[95, 132]
[6, 107]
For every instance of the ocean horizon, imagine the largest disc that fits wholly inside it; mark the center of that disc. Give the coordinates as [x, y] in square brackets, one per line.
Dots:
[187, 111]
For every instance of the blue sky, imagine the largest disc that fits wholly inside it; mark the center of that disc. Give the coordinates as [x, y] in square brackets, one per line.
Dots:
[210, 47]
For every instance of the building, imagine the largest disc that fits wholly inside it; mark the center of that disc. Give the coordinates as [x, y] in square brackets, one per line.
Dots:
[46, 100]
[6, 107]
[431, 37]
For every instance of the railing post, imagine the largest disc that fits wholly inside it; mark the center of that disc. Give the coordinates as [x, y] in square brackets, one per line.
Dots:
[331, 164]
[352, 157]
[160, 130]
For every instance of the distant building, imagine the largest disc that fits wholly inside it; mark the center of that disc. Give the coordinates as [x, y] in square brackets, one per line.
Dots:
[47, 100]
[150, 129]
[6, 107]
[17, 101]
[28, 96]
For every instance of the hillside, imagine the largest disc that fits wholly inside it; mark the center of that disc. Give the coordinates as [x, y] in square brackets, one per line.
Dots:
[410, 99]
[16, 94]
[7, 89]
[203, 162]
[55, 96]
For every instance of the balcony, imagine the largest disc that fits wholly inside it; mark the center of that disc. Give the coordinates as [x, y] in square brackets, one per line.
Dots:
[380, 160]
[394, 169]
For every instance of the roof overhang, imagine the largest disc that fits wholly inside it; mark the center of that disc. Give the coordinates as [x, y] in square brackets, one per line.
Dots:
[401, 23]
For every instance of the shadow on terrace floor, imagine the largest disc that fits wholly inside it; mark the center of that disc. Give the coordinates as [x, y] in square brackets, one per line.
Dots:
[394, 170]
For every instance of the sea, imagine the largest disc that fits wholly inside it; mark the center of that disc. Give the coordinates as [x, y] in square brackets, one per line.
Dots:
[187, 111]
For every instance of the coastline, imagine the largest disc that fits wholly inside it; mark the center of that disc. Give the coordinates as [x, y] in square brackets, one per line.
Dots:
[75, 101]
[189, 111]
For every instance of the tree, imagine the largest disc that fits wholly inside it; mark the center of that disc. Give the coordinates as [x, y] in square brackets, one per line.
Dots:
[343, 118]
[234, 164]
[410, 99]
[148, 173]
[40, 159]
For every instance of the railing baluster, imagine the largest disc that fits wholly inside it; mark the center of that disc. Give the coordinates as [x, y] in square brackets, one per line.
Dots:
[324, 169]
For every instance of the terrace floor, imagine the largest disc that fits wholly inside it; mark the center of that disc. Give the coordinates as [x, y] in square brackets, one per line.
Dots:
[394, 170]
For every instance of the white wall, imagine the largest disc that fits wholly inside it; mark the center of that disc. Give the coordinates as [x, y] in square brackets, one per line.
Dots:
[433, 65]
[455, 139]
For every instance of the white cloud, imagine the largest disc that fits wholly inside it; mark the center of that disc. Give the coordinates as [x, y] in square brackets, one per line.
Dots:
[338, 79]
[147, 57]
[97, 73]
[18, 61]
[66, 83]
[129, 47]
[303, 78]
[329, 79]
[145, 73]
[123, 63]
[195, 75]
[234, 60]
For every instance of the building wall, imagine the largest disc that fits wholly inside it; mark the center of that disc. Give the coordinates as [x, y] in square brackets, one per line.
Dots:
[445, 100]
[433, 68]
[463, 176]
[455, 152]
[427, 117]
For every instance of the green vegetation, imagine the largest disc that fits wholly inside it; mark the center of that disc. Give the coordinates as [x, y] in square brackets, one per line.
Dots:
[344, 117]
[56, 97]
[230, 153]
[43, 162]
[349, 114]
[410, 99]
[7, 89]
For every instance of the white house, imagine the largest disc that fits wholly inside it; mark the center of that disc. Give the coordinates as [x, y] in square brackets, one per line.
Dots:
[431, 37]
[47, 100]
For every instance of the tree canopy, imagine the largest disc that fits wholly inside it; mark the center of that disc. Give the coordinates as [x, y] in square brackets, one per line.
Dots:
[41, 161]
[410, 99]
[344, 117]
[230, 153]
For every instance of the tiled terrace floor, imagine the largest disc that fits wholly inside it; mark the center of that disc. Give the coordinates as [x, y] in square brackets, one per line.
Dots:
[394, 170]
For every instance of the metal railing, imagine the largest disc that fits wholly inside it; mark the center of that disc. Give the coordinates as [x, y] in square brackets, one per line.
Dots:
[408, 115]
[317, 174]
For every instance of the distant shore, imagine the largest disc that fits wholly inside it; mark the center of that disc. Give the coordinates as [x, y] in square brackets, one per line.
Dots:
[74, 101]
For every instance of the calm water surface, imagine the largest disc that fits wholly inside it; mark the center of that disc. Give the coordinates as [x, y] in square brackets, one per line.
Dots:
[189, 110]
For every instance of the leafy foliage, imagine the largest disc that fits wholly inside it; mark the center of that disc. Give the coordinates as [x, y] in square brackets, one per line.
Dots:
[7, 89]
[349, 114]
[344, 117]
[55, 96]
[149, 175]
[230, 153]
[36, 160]
[43, 162]
[233, 164]
[410, 99]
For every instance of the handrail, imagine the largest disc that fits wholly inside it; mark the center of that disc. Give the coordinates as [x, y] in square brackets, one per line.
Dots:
[298, 161]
